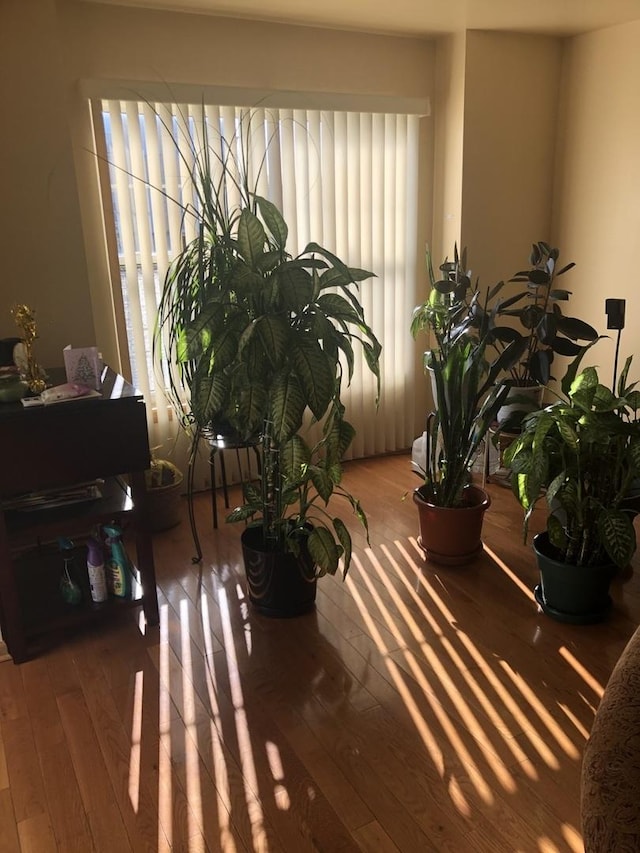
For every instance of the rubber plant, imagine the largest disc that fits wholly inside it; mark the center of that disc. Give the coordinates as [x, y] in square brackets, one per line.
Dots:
[543, 330]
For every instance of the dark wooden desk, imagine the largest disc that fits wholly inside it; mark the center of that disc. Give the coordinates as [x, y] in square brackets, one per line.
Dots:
[58, 445]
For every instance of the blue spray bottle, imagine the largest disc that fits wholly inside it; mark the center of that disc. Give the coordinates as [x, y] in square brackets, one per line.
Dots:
[117, 566]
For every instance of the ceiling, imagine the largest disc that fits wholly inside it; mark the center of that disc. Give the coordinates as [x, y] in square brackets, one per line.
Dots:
[418, 17]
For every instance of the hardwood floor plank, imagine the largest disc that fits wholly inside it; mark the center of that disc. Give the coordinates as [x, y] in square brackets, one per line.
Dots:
[12, 701]
[105, 821]
[9, 840]
[66, 809]
[372, 838]
[4, 773]
[41, 703]
[23, 765]
[129, 785]
[36, 835]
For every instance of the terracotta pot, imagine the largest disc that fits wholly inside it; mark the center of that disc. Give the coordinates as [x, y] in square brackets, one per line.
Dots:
[452, 536]
[576, 594]
[280, 583]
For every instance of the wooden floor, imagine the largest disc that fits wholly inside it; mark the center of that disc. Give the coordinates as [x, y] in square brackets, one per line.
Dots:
[417, 709]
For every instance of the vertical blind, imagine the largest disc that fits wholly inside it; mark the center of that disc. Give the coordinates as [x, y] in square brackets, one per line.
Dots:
[346, 180]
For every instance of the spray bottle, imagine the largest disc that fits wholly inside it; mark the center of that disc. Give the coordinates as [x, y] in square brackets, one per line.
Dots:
[117, 567]
[95, 568]
[69, 589]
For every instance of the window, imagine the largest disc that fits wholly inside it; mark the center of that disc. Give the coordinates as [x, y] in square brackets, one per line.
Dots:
[346, 180]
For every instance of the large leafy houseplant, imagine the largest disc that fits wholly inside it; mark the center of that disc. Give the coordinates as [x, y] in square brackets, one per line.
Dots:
[469, 395]
[469, 385]
[293, 327]
[468, 392]
[582, 453]
[543, 330]
[259, 342]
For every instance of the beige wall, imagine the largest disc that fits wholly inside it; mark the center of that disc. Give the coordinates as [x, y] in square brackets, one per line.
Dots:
[510, 121]
[43, 259]
[597, 202]
[114, 42]
[449, 102]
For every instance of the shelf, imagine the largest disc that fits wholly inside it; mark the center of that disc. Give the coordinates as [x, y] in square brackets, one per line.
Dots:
[76, 518]
[38, 573]
[54, 447]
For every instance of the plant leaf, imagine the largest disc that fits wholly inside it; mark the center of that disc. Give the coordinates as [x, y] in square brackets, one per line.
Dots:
[617, 534]
[324, 551]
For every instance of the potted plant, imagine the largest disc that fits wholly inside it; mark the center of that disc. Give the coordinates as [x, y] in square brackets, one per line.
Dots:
[468, 394]
[294, 324]
[450, 301]
[262, 342]
[164, 483]
[542, 331]
[582, 453]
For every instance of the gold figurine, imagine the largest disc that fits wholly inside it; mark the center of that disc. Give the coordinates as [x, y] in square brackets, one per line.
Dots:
[34, 375]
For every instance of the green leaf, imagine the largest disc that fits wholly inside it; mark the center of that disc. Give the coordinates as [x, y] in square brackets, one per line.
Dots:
[521, 463]
[272, 334]
[344, 538]
[287, 408]
[324, 551]
[340, 437]
[295, 287]
[568, 435]
[252, 403]
[251, 238]
[295, 455]
[274, 221]
[538, 277]
[241, 513]
[572, 370]
[337, 307]
[604, 400]
[208, 396]
[555, 485]
[617, 535]
[556, 533]
[314, 372]
[563, 346]
[540, 366]
[576, 329]
[633, 400]
[322, 482]
[634, 453]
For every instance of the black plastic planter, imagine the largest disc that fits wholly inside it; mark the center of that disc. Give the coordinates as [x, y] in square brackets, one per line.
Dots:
[281, 584]
[576, 594]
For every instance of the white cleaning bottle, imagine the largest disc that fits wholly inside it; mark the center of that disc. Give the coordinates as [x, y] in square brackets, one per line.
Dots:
[95, 568]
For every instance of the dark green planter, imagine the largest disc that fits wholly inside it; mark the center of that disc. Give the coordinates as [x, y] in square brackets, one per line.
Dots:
[280, 583]
[576, 594]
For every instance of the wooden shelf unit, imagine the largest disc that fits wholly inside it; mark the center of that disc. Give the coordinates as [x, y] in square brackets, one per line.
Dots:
[56, 446]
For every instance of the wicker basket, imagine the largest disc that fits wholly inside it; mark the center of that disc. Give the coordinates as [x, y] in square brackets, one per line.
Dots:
[163, 506]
